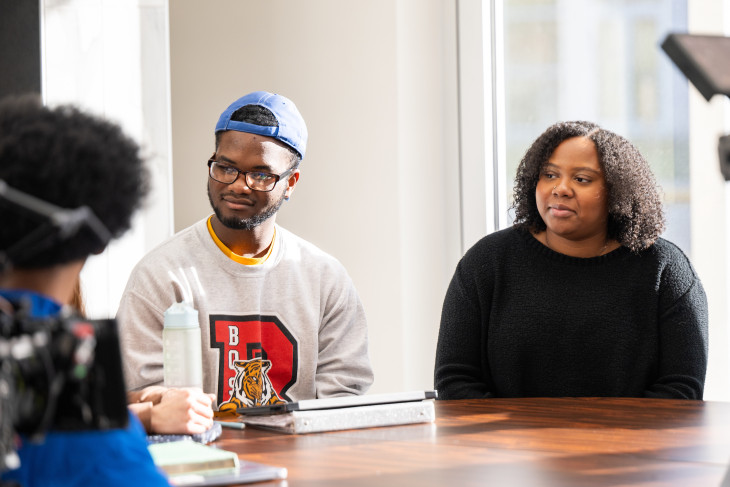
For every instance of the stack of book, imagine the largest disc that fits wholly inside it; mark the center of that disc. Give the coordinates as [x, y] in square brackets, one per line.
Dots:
[193, 464]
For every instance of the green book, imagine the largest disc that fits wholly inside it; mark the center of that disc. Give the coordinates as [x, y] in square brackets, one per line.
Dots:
[179, 457]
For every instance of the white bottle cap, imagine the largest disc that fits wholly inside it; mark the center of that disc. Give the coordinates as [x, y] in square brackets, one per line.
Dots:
[181, 315]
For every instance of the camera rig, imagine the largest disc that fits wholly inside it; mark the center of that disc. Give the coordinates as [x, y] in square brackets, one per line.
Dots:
[59, 373]
[703, 59]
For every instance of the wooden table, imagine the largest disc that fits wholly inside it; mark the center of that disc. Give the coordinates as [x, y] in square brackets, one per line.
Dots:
[512, 442]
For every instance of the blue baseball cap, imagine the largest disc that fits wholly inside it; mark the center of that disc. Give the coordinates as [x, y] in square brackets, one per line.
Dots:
[291, 129]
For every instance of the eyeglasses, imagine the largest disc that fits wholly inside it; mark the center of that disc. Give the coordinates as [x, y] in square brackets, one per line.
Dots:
[256, 180]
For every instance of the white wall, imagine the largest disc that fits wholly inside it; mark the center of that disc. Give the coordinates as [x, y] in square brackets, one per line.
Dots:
[376, 83]
[710, 218]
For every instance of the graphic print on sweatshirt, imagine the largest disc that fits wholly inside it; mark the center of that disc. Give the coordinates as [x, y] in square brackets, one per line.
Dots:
[258, 360]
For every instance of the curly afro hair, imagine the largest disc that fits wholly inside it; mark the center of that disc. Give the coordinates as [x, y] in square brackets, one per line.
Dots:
[635, 213]
[70, 159]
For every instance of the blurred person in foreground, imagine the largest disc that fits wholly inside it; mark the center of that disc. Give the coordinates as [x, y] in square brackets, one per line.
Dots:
[71, 159]
[580, 297]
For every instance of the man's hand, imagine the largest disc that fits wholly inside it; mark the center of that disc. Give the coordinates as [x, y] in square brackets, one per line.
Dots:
[186, 411]
[173, 411]
[151, 394]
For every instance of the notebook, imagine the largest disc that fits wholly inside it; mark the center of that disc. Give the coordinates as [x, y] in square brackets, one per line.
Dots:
[338, 402]
[192, 464]
[178, 457]
[247, 472]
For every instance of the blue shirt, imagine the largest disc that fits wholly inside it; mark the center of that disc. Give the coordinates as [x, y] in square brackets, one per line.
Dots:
[117, 457]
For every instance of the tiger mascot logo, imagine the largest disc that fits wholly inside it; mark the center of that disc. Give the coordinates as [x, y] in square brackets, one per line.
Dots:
[252, 386]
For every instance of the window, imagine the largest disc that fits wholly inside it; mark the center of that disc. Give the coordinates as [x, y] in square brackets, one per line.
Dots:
[600, 61]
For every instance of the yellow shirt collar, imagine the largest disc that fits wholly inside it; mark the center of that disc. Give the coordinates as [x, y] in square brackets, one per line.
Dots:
[239, 258]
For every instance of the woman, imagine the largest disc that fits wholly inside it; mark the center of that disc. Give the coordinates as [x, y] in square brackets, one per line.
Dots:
[580, 297]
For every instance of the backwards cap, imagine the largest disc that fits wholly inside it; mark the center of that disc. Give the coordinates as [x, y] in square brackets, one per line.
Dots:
[291, 129]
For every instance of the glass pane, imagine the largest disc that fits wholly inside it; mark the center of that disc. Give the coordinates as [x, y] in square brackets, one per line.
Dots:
[601, 61]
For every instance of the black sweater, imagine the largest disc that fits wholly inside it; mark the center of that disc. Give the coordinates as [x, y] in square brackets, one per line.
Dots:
[520, 320]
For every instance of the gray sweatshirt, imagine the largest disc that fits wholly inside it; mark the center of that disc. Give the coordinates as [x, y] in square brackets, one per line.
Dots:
[291, 328]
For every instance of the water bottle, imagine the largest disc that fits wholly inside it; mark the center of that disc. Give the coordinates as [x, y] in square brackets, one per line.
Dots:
[181, 350]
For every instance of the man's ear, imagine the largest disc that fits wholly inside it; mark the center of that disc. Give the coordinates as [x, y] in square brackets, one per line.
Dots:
[291, 182]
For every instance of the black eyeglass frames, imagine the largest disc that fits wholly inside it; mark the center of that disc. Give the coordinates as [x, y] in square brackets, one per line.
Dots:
[256, 180]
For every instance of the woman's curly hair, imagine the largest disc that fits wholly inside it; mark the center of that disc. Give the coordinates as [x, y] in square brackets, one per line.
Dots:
[635, 213]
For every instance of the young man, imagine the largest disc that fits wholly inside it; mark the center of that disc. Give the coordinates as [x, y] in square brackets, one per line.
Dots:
[71, 160]
[280, 319]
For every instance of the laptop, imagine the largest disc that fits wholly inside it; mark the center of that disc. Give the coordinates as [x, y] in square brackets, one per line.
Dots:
[338, 402]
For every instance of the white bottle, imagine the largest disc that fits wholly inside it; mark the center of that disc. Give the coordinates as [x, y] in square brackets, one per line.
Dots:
[181, 350]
